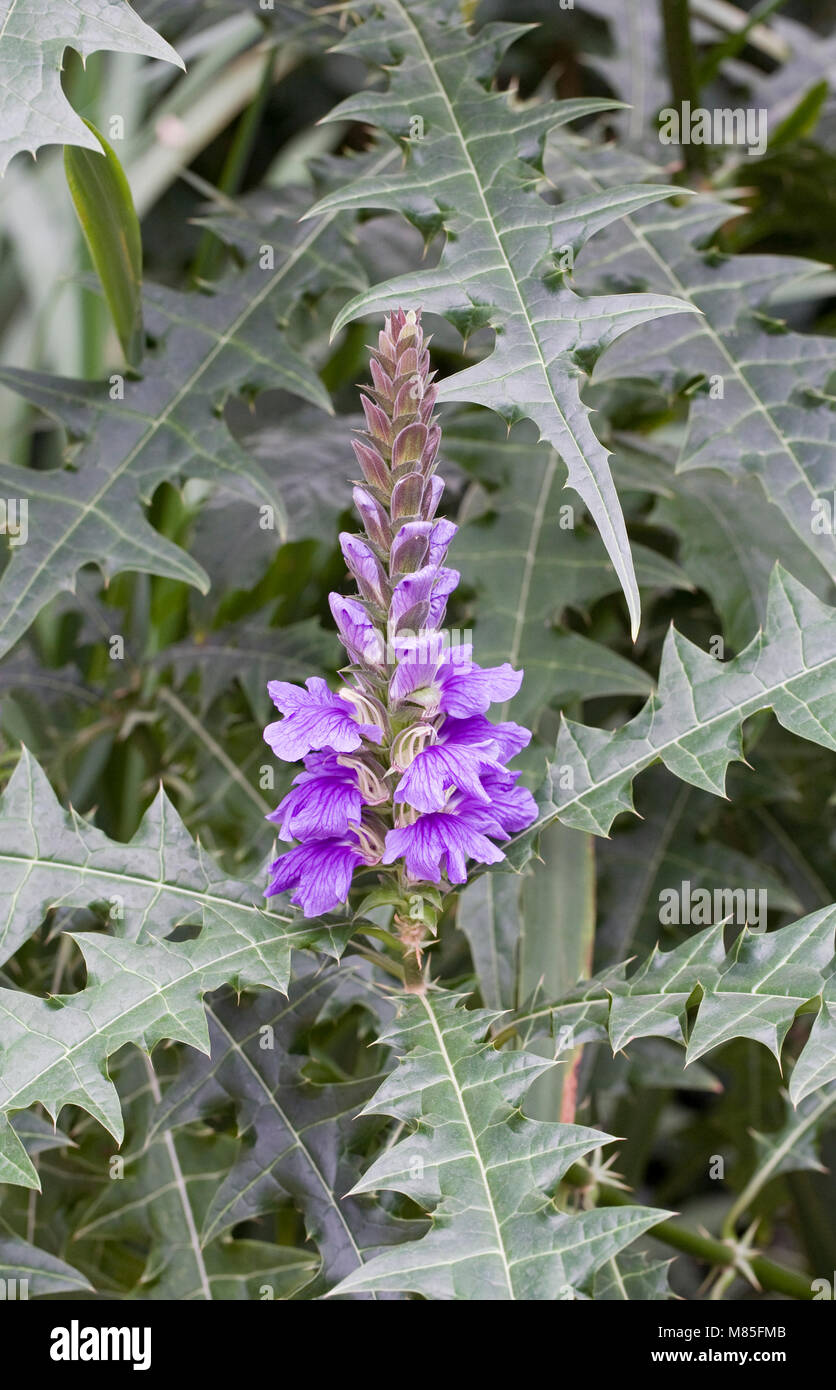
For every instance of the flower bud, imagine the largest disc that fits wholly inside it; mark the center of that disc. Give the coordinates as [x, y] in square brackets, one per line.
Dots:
[378, 422]
[374, 518]
[410, 546]
[408, 448]
[366, 568]
[383, 383]
[407, 496]
[374, 468]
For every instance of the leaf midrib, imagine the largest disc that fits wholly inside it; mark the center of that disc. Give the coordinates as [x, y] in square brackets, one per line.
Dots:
[705, 325]
[500, 1248]
[613, 547]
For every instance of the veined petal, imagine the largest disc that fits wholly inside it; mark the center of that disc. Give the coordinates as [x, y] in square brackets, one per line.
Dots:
[472, 690]
[439, 840]
[314, 719]
[320, 805]
[320, 872]
[440, 769]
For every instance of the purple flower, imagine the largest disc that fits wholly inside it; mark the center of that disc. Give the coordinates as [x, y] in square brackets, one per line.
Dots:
[325, 801]
[453, 798]
[510, 808]
[442, 838]
[442, 768]
[508, 739]
[361, 639]
[452, 683]
[319, 870]
[419, 656]
[314, 718]
[466, 690]
[366, 568]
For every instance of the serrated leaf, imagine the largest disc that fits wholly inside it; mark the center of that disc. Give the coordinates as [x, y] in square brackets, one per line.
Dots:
[484, 1171]
[754, 991]
[471, 171]
[692, 723]
[296, 1133]
[154, 1211]
[33, 37]
[55, 1050]
[160, 880]
[632, 1277]
[139, 433]
[764, 408]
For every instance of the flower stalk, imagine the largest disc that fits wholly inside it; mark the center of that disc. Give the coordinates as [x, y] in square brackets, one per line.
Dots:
[404, 775]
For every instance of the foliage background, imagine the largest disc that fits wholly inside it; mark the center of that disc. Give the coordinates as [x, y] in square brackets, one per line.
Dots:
[241, 401]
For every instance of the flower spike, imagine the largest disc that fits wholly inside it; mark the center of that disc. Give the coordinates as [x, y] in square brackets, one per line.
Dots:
[404, 775]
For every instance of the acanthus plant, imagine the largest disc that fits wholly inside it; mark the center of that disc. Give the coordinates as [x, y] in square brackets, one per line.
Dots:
[397, 1073]
[403, 771]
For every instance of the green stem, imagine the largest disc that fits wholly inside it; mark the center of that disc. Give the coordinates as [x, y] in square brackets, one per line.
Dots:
[772, 1163]
[703, 1247]
[184, 713]
[413, 974]
[682, 71]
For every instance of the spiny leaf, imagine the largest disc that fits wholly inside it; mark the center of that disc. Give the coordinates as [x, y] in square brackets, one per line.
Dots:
[33, 37]
[55, 1050]
[755, 991]
[155, 1210]
[630, 1277]
[160, 880]
[139, 433]
[470, 171]
[693, 722]
[765, 406]
[484, 1171]
[297, 1133]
